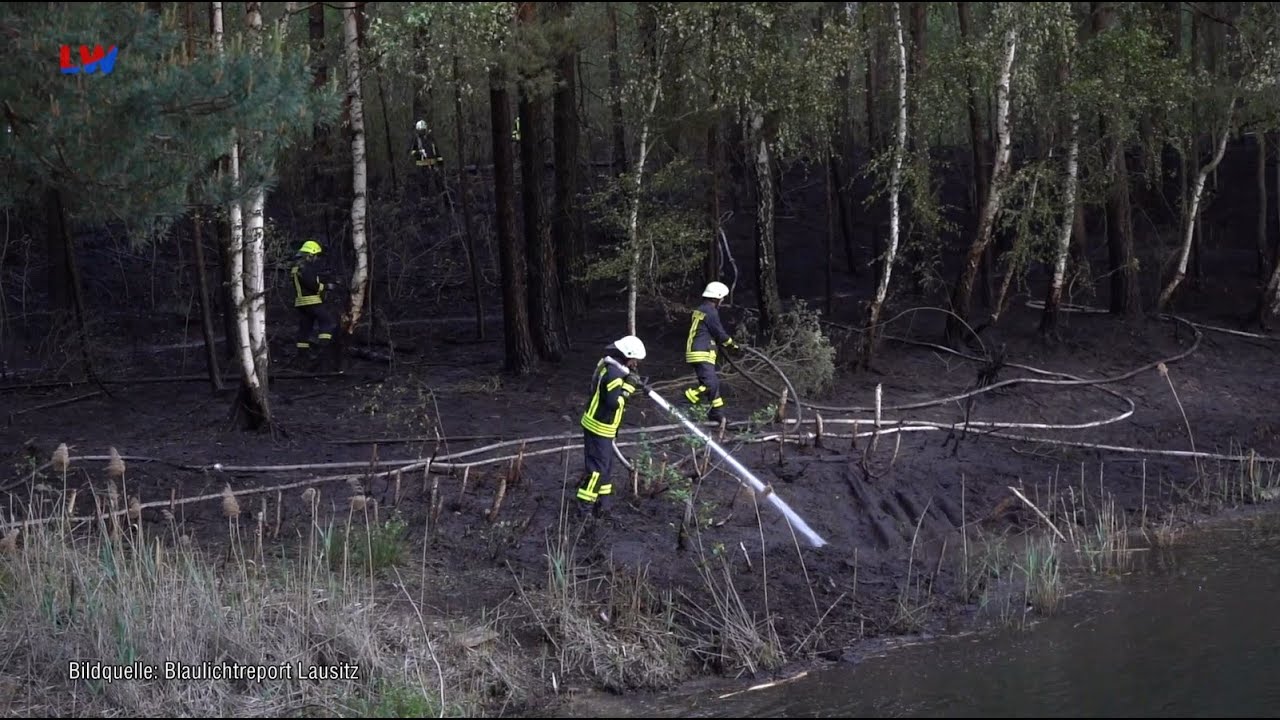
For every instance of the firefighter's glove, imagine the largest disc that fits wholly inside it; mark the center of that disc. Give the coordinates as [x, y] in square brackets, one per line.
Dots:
[638, 382]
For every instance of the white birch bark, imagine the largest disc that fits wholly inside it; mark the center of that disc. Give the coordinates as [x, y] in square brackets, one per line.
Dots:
[895, 182]
[254, 247]
[1193, 211]
[359, 239]
[633, 231]
[217, 26]
[1068, 218]
[964, 290]
[235, 256]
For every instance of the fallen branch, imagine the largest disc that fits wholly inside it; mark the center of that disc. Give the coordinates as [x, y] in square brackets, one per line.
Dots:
[764, 686]
[229, 379]
[1073, 381]
[404, 440]
[58, 403]
[1044, 517]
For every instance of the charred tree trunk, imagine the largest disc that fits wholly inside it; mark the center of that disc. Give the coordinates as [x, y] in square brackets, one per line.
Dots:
[57, 230]
[842, 170]
[873, 147]
[769, 302]
[615, 95]
[713, 264]
[320, 134]
[1269, 298]
[1125, 299]
[59, 281]
[917, 68]
[831, 232]
[1263, 261]
[386, 133]
[714, 261]
[545, 316]
[977, 140]
[570, 248]
[206, 314]
[517, 338]
[464, 194]
[1173, 50]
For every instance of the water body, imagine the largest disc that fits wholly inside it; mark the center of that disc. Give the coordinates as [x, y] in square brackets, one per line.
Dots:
[1193, 631]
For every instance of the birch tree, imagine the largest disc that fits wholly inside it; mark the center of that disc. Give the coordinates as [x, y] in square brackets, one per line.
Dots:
[963, 296]
[895, 187]
[1053, 297]
[252, 403]
[359, 169]
[775, 66]
[255, 288]
[633, 224]
[173, 128]
[1192, 212]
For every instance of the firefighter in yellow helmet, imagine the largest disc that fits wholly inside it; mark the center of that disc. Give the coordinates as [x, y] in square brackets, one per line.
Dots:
[316, 324]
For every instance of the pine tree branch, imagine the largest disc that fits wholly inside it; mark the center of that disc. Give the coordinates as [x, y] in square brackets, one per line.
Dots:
[202, 107]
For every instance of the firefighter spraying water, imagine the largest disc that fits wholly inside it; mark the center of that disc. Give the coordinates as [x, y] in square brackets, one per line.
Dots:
[743, 474]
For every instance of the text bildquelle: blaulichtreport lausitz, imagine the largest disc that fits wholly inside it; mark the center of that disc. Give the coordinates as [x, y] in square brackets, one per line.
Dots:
[171, 670]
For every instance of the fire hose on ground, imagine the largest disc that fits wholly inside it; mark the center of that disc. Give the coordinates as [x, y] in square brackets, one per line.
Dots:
[742, 473]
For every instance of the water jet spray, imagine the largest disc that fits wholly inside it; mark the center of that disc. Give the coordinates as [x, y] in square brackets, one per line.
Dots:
[740, 470]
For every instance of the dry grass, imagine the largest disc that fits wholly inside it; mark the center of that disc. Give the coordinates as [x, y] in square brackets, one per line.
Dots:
[611, 627]
[726, 633]
[111, 595]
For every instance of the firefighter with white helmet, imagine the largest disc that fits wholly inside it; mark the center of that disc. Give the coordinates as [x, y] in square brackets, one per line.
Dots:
[424, 150]
[705, 332]
[611, 388]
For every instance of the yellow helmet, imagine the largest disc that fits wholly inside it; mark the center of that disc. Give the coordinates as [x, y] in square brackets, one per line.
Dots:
[310, 247]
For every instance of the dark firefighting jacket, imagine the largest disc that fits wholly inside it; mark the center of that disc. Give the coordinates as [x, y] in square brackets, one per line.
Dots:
[309, 275]
[705, 330]
[610, 391]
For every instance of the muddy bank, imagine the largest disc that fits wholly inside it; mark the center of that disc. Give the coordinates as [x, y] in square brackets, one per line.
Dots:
[693, 574]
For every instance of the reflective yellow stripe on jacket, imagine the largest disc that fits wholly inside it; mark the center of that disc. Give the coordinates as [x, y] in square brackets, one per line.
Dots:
[697, 356]
[301, 299]
[590, 419]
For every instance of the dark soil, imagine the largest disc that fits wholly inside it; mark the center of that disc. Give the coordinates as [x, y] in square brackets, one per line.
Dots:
[886, 515]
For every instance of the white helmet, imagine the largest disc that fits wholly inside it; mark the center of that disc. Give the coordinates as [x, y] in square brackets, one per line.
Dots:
[716, 291]
[421, 126]
[630, 347]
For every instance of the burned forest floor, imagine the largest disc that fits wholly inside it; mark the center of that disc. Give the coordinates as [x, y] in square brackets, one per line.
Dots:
[414, 515]
[470, 559]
